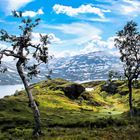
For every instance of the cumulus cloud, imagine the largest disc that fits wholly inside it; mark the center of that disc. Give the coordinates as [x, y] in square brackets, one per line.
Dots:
[94, 45]
[83, 9]
[99, 45]
[32, 13]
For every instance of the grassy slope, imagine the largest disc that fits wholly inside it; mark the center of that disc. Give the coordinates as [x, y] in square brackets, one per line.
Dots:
[99, 116]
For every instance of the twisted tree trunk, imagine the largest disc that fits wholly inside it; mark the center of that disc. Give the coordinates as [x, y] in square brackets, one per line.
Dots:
[36, 113]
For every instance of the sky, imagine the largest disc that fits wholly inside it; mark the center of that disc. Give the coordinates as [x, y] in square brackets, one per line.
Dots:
[74, 26]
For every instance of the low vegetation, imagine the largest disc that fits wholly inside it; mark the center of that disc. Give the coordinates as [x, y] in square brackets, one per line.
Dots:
[96, 115]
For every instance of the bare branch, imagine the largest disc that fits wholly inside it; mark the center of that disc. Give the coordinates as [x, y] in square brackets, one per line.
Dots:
[11, 53]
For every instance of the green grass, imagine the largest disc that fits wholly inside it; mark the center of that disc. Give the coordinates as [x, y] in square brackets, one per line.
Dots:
[94, 115]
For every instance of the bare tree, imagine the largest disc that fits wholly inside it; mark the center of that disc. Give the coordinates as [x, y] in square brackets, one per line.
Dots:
[23, 49]
[128, 43]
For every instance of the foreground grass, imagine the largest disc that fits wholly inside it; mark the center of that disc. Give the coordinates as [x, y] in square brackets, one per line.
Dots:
[95, 115]
[60, 133]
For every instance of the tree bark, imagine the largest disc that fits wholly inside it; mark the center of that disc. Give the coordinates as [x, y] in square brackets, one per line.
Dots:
[37, 130]
[130, 97]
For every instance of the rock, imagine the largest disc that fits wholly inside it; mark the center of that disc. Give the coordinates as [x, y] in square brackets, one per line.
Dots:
[109, 87]
[73, 91]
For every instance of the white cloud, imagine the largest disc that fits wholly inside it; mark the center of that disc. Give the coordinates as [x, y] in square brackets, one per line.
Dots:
[100, 45]
[131, 7]
[53, 39]
[110, 42]
[78, 33]
[81, 32]
[94, 45]
[15, 4]
[123, 7]
[90, 47]
[83, 38]
[95, 19]
[77, 28]
[32, 13]
[83, 9]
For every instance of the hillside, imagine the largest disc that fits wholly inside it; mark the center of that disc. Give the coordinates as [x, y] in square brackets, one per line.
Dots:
[83, 67]
[96, 114]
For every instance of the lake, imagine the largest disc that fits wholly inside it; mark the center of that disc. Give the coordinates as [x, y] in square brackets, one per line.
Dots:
[9, 89]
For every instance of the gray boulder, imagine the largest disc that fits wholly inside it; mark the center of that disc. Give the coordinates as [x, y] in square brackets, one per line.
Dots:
[73, 91]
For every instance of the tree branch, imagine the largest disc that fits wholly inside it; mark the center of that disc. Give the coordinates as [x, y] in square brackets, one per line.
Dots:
[11, 53]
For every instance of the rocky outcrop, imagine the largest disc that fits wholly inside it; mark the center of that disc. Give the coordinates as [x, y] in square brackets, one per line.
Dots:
[73, 91]
[109, 87]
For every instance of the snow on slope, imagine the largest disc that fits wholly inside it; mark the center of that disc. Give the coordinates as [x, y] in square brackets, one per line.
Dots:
[84, 67]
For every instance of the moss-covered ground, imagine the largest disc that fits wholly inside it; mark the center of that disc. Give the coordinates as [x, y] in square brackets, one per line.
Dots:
[95, 115]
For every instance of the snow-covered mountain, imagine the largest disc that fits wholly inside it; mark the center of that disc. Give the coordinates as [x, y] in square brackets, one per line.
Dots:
[82, 67]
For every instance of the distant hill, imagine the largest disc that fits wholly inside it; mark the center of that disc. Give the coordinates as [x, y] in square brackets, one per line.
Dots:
[84, 67]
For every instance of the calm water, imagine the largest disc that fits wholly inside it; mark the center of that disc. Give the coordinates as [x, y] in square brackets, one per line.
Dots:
[9, 89]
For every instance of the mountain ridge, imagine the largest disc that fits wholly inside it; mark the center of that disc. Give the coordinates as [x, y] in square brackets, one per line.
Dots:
[82, 67]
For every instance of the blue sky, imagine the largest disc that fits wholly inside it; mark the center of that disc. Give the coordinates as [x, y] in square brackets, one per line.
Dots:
[75, 26]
